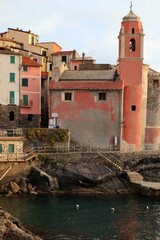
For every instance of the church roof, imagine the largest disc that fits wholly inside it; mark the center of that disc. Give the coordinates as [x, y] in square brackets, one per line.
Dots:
[90, 75]
[131, 17]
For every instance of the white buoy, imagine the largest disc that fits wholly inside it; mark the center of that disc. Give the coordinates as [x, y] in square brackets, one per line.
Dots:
[147, 208]
[113, 209]
[77, 206]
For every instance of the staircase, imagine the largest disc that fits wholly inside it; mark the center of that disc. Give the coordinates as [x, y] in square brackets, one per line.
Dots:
[113, 162]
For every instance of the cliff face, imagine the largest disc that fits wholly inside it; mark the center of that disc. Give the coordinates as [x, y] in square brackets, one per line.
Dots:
[11, 229]
[92, 173]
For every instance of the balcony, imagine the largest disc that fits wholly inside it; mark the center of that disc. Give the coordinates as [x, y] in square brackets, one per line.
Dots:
[11, 132]
[26, 104]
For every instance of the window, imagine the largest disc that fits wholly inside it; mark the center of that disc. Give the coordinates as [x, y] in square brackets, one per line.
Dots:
[25, 100]
[50, 67]
[68, 96]
[64, 59]
[12, 77]
[0, 148]
[11, 148]
[30, 117]
[12, 59]
[75, 67]
[132, 45]
[155, 83]
[32, 40]
[132, 30]
[133, 107]
[102, 96]
[25, 82]
[11, 116]
[11, 97]
[43, 53]
[25, 68]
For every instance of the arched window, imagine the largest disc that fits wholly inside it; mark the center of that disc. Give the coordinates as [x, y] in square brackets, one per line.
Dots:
[11, 116]
[132, 45]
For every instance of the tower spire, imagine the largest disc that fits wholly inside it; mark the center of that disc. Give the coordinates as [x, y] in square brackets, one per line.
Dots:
[131, 5]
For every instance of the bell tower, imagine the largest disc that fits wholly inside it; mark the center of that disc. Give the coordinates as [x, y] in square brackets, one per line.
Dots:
[131, 39]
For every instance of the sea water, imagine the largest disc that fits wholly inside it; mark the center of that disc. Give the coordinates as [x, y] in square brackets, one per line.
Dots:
[97, 217]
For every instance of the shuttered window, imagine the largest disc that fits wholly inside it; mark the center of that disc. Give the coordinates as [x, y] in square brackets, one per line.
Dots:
[25, 100]
[25, 82]
[11, 148]
[12, 77]
[0, 148]
[11, 97]
[12, 59]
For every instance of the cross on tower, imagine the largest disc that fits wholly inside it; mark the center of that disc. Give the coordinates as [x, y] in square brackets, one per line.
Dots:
[131, 6]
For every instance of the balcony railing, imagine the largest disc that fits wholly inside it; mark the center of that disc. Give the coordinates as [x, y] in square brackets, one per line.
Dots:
[26, 104]
[11, 132]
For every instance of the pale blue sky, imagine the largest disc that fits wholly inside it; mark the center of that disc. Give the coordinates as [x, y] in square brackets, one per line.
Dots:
[89, 26]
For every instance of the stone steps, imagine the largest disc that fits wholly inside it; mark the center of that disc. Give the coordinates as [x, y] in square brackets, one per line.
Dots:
[111, 162]
[135, 177]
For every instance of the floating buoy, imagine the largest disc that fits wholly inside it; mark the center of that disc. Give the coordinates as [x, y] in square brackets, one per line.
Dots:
[77, 206]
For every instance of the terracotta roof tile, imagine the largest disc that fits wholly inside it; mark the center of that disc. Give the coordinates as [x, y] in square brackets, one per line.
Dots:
[27, 61]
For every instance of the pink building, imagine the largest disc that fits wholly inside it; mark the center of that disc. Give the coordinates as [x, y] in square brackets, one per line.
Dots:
[30, 93]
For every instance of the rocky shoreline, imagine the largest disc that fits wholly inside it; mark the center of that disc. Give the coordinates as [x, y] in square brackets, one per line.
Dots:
[11, 229]
[85, 174]
[76, 174]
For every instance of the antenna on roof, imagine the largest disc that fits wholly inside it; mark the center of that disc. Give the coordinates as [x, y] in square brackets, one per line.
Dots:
[131, 5]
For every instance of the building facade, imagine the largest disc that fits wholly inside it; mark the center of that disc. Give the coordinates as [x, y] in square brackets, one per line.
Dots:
[111, 106]
[9, 88]
[30, 93]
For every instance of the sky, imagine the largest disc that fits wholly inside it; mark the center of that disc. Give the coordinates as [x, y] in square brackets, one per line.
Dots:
[89, 26]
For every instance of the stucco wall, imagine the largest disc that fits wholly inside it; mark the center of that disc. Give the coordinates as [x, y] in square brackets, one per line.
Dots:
[90, 121]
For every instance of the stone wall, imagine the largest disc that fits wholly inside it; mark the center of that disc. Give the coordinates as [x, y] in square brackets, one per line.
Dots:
[5, 121]
[25, 123]
[18, 150]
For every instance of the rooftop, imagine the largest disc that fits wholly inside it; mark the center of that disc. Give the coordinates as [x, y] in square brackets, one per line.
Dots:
[83, 75]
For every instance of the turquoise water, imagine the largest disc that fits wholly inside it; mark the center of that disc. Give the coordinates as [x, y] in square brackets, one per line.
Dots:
[57, 217]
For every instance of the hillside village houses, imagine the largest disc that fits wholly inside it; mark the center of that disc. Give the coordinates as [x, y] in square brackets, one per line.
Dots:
[105, 106]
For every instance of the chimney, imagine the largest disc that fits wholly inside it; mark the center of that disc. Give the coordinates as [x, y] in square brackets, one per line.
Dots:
[83, 55]
[74, 54]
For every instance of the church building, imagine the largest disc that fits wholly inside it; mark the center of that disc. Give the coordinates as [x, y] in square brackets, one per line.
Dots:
[111, 107]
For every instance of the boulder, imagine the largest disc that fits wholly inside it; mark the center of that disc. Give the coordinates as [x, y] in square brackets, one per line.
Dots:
[11, 229]
[23, 186]
[14, 187]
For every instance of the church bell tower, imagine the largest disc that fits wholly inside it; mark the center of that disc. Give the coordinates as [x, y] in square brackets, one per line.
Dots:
[131, 39]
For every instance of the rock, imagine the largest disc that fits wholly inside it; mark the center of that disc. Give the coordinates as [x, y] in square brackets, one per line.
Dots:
[23, 186]
[31, 189]
[9, 194]
[11, 229]
[14, 187]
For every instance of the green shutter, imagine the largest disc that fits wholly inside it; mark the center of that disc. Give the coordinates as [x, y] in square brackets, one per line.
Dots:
[0, 148]
[25, 100]
[12, 77]
[11, 148]
[12, 59]
[11, 97]
[25, 82]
